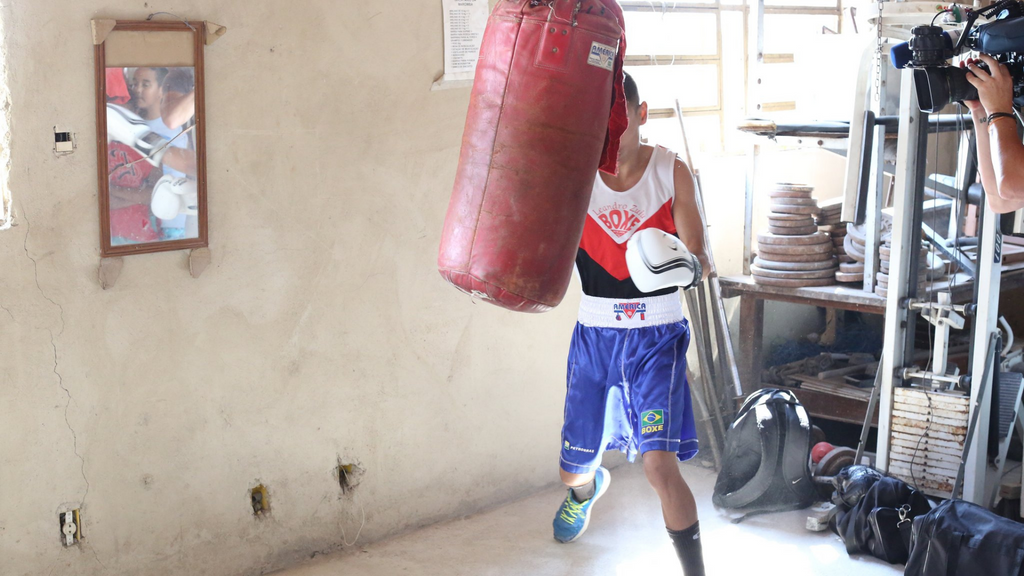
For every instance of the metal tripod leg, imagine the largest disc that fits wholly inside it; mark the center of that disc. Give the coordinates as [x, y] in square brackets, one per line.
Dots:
[723, 337]
[1004, 444]
[975, 413]
[876, 391]
[709, 427]
[703, 357]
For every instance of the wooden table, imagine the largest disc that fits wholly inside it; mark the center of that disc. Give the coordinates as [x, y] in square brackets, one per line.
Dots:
[751, 324]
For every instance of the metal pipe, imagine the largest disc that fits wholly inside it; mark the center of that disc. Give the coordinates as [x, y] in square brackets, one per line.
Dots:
[914, 373]
[965, 309]
[946, 121]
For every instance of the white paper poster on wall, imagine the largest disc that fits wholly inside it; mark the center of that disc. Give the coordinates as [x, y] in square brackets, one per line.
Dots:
[464, 23]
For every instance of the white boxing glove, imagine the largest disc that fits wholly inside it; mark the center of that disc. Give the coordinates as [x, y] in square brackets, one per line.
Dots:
[658, 260]
[129, 128]
[173, 196]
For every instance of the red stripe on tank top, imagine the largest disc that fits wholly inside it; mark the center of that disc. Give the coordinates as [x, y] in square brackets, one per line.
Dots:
[611, 255]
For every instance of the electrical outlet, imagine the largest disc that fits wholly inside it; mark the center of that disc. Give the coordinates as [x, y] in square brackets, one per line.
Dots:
[70, 527]
[259, 497]
[63, 141]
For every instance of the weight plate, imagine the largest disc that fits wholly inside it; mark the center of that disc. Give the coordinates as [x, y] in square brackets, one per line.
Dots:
[802, 240]
[794, 266]
[833, 462]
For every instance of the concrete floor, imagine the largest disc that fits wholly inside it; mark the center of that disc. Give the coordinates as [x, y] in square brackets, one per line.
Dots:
[626, 537]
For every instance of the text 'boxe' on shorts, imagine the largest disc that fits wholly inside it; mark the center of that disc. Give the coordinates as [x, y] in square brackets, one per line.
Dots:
[626, 387]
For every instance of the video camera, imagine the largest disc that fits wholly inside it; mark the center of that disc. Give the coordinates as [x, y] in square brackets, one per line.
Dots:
[938, 82]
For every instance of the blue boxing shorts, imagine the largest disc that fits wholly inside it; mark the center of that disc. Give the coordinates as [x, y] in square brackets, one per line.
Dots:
[626, 387]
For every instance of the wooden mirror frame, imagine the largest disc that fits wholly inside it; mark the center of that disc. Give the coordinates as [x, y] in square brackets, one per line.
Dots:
[197, 29]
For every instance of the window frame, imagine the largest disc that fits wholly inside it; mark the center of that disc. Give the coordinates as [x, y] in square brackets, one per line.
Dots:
[717, 8]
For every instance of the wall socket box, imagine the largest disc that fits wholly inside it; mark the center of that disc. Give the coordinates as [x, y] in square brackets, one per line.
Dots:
[349, 476]
[63, 141]
[70, 527]
[259, 497]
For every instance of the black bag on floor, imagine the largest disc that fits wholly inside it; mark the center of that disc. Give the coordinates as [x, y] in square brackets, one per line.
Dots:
[958, 538]
[767, 450]
[880, 523]
[852, 483]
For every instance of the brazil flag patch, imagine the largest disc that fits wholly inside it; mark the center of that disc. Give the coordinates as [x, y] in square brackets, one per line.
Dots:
[652, 421]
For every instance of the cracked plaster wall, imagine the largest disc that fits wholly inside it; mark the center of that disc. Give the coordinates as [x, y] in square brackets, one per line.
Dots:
[320, 330]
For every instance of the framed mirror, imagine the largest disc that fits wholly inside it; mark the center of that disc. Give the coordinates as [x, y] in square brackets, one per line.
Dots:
[151, 137]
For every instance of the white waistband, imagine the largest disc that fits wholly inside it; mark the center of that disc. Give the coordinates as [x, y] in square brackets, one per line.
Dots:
[630, 313]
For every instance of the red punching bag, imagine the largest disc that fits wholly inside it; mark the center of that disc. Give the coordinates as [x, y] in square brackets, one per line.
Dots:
[546, 112]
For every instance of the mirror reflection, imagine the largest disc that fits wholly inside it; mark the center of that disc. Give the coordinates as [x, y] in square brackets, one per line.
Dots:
[151, 154]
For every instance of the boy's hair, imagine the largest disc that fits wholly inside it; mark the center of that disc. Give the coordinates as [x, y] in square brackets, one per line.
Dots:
[632, 92]
[180, 80]
[160, 72]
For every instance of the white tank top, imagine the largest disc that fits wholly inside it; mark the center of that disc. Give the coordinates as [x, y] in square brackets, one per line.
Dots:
[615, 216]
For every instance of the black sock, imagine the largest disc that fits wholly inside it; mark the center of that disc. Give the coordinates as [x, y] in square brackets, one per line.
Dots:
[689, 550]
[585, 492]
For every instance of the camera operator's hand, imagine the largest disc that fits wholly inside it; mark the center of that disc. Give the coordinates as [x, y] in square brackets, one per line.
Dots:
[995, 87]
[977, 110]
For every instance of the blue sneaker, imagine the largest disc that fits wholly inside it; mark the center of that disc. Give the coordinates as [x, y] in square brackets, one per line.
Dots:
[573, 517]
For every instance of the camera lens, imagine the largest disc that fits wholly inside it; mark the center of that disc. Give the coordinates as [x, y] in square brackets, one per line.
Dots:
[938, 87]
[928, 45]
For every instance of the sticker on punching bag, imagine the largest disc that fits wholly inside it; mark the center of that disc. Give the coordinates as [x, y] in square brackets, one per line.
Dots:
[602, 56]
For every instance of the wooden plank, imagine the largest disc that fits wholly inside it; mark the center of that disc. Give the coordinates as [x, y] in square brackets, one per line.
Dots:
[778, 58]
[938, 477]
[831, 407]
[930, 484]
[910, 395]
[940, 459]
[925, 411]
[956, 415]
[923, 462]
[828, 296]
[931, 441]
[955, 429]
[857, 300]
[919, 403]
[810, 383]
[751, 333]
[943, 435]
[924, 445]
[921, 420]
[861, 369]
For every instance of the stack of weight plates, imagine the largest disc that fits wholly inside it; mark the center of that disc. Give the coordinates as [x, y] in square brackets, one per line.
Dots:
[851, 268]
[930, 268]
[884, 252]
[794, 199]
[794, 260]
[791, 224]
[830, 212]
[793, 253]
[854, 242]
[837, 232]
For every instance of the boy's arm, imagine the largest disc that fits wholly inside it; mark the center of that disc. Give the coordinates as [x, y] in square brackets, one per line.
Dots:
[686, 216]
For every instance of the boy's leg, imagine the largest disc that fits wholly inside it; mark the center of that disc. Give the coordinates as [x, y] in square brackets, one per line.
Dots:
[667, 434]
[677, 503]
[574, 514]
[678, 507]
[582, 485]
[592, 393]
